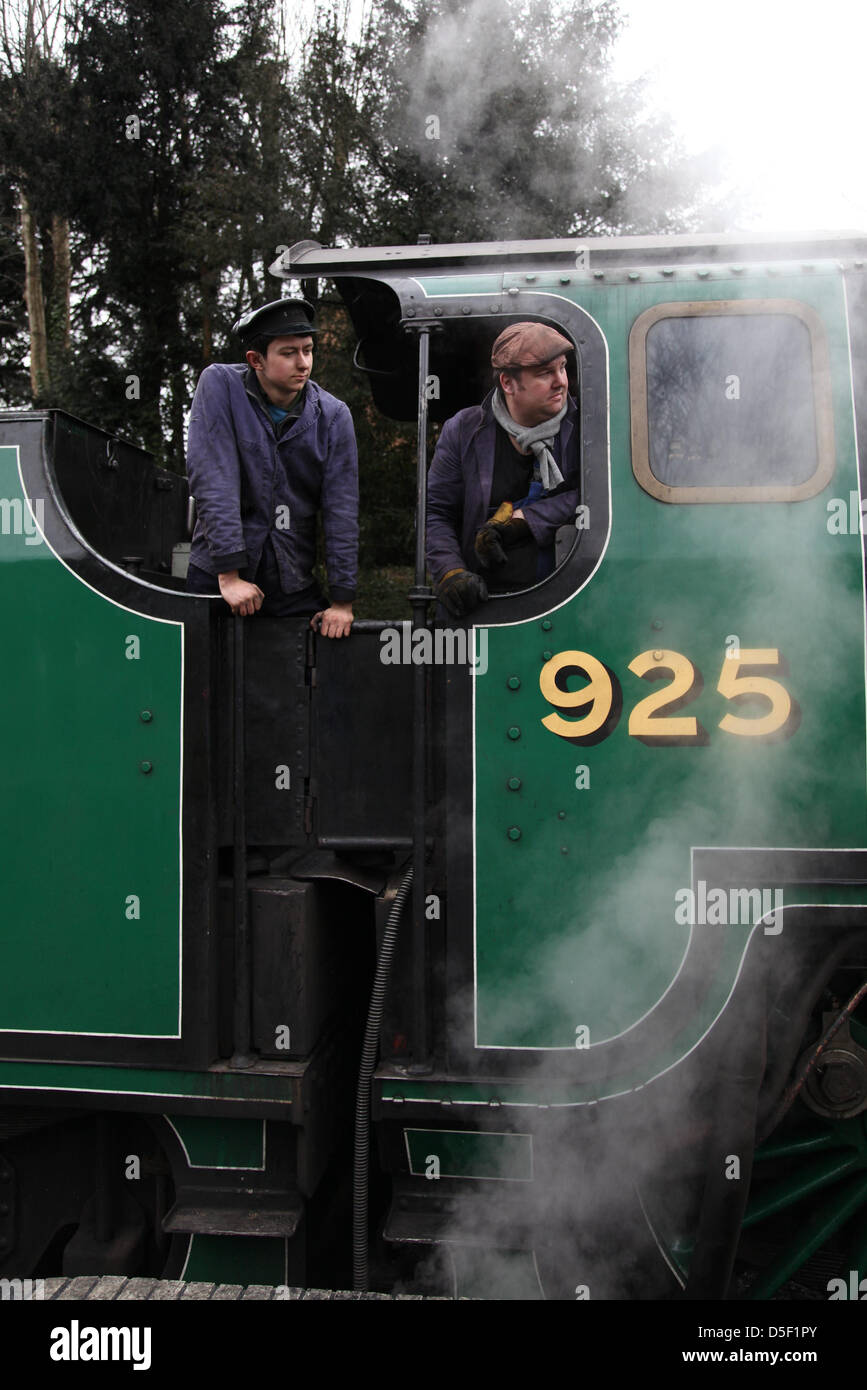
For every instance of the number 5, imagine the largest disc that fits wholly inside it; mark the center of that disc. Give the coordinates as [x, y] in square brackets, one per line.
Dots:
[781, 718]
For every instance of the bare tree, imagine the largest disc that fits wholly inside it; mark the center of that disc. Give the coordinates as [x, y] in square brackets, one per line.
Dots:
[31, 34]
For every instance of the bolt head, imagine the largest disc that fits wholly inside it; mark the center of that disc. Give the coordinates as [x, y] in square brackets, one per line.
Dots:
[840, 1082]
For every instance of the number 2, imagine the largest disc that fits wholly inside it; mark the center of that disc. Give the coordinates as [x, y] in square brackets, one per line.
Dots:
[645, 721]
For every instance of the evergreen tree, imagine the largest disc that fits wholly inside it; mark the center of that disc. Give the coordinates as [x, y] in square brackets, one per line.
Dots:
[501, 120]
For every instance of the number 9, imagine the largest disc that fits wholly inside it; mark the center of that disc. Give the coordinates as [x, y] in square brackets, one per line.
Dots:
[602, 694]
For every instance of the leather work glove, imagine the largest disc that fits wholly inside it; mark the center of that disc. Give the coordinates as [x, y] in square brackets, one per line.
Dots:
[461, 591]
[503, 530]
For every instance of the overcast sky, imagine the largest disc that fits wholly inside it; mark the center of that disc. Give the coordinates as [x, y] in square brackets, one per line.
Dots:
[778, 86]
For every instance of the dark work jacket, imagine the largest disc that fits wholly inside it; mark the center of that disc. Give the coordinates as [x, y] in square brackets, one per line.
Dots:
[459, 488]
[250, 485]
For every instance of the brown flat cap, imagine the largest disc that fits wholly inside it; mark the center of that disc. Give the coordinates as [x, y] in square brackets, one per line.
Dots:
[528, 345]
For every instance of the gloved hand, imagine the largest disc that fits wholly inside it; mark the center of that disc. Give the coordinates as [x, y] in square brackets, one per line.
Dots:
[461, 591]
[502, 530]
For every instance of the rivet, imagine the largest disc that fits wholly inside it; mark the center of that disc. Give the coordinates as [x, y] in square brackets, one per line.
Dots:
[146, 716]
[514, 732]
[514, 832]
[737, 270]
[494, 1103]
[465, 309]
[656, 625]
[438, 312]
[445, 1100]
[561, 815]
[514, 682]
[547, 624]
[410, 313]
[702, 274]
[495, 308]
[634, 275]
[513, 290]
[667, 271]
[657, 656]
[546, 655]
[530, 279]
[146, 767]
[565, 279]
[514, 784]
[564, 849]
[599, 275]
[397, 1100]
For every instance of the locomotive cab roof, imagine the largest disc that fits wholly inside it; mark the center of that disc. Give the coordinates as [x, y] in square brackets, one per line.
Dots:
[467, 292]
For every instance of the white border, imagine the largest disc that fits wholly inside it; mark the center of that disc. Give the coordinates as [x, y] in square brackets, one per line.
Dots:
[476, 1134]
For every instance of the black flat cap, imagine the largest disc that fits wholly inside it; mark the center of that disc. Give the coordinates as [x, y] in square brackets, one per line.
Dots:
[282, 319]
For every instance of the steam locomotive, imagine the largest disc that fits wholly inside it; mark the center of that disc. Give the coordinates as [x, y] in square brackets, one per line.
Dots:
[545, 930]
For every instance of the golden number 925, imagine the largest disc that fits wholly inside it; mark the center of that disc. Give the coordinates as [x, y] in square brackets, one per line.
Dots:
[594, 708]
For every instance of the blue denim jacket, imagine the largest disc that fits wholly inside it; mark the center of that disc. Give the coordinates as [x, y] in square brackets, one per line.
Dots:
[250, 485]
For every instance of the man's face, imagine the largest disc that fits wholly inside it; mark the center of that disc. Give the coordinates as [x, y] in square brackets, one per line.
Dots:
[284, 368]
[535, 394]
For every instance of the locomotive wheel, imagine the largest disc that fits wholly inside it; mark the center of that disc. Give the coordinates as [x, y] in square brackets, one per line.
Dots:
[807, 1209]
[809, 1194]
[805, 1221]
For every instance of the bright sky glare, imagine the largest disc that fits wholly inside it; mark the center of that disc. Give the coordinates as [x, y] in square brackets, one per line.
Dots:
[778, 85]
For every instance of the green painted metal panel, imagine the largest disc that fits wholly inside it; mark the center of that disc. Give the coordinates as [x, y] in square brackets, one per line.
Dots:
[470, 1154]
[576, 917]
[216, 1085]
[90, 887]
[236, 1260]
[222, 1142]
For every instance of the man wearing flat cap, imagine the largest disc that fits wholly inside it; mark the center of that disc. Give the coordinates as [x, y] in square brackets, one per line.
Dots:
[504, 475]
[267, 450]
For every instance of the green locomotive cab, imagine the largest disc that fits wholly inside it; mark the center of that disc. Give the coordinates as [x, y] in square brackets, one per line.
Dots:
[623, 1048]
[652, 859]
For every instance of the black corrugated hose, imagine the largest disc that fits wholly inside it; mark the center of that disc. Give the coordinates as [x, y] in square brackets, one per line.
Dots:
[360, 1176]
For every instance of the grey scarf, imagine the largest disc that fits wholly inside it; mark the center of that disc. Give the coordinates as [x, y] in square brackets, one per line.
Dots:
[545, 468]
